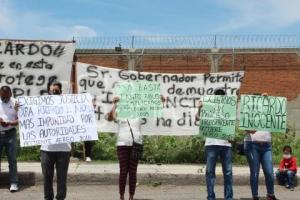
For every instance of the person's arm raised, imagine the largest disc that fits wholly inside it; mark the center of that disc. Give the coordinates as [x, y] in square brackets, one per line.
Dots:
[162, 98]
[111, 115]
[197, 116]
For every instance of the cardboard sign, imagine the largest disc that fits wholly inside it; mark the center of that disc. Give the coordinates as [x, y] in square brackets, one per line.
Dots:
[218, 117]
[138, 99]
[266, 113]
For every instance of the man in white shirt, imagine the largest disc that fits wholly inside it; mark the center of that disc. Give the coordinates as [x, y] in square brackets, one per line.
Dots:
[8, 133]
[57, 155]
[215, 148]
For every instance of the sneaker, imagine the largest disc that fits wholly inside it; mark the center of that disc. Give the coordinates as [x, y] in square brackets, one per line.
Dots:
[291, 188]
[88, 159]
[271, 197]
[13, 188]
[255, 198]
[287, 186]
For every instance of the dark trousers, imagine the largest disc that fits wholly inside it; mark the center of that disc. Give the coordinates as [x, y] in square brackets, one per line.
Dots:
[9, 142]
[88, 148]
[61, 162]
[127, 166]
[286, 177]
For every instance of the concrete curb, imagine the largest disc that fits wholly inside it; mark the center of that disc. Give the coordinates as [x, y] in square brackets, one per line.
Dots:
[31, 178]
[25, 178]
[30, 173]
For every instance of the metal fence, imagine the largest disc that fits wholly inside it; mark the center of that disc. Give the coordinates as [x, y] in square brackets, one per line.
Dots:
[190, 42]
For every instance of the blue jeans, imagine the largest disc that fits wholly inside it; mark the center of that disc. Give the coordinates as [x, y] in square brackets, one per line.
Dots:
[260, 153]
[9, 141]
[286, 177]
[212, 153]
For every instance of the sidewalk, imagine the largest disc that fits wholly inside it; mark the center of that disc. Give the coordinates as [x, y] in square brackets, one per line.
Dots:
[107, 174]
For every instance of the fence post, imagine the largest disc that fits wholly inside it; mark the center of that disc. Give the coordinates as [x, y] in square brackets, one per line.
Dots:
[132, 42]
[131, 59]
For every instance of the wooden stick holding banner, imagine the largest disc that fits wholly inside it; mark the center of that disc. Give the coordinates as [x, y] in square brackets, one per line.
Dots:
[218, 117]
[266, 113]
[139, 99]
[54, 119]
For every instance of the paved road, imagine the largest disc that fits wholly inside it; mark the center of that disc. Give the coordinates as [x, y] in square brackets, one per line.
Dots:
[168, 192]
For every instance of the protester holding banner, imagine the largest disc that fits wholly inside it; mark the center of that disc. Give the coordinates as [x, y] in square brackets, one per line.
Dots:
[129, 133]
[8, 133]
[215, 148]
[124, 149]
[57, 155]
[258, 149]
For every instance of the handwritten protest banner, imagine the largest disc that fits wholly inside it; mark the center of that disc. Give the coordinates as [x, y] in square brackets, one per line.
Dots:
[218, 117]
[263, 113]
[54, 119]
[138, 99]
[27, 66]
[182, 92]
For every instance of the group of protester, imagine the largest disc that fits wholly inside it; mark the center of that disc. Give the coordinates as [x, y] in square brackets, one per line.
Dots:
[257, 145]
[53, 157]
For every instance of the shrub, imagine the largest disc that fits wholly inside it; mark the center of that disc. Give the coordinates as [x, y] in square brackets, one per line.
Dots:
[169, 149]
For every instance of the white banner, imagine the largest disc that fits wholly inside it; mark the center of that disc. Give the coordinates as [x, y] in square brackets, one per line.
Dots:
[27, 66]
[182, 92]
[54, 119]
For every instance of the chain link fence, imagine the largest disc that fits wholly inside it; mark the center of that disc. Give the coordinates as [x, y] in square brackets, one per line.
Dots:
[190, 42]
